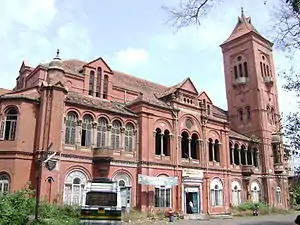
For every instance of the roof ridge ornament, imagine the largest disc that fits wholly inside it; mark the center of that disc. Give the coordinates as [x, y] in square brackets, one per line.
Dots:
[57, 54]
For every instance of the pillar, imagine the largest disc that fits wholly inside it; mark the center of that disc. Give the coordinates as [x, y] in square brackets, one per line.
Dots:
[94, 135]
[109, 126]
[78, 133]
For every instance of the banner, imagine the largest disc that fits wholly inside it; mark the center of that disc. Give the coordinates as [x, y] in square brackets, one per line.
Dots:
[157, 181]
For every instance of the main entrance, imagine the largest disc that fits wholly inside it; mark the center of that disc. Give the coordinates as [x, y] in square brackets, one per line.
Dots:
[192, 200]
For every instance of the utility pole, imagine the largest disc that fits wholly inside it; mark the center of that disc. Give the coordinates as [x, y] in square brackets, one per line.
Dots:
[41, 158]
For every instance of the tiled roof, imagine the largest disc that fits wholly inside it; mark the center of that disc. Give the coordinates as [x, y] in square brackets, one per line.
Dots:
[4, 91]
[218, 112]
[83, 100]
[147, 89]
[31, 94]
[237, 135]
[242, 27]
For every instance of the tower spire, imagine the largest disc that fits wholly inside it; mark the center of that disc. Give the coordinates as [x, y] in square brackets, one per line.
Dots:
[242, 13]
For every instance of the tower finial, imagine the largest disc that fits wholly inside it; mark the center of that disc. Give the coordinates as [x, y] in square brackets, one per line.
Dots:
[242, 12]
[57, 53]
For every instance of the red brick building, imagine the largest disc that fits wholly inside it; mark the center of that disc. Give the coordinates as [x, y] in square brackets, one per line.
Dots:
[104, 123]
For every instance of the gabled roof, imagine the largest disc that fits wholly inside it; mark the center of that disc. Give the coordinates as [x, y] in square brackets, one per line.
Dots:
[107, 68]
[186, 84]
[243, 26]
[203, 94]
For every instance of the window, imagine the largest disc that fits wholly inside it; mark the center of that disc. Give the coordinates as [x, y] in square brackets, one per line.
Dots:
[240, 67]
[91, 84]
[99, 78]
[216, 156]
[235, 72]
[235, 194]
[158, 142]
[163, 197]
[246, 69]
[210, 149]
[241, 115]
[103, 198]
[4, 183]
[115, 135]
[124, 182]
[278, 195]
[9, 125]
[101, 133]
[105, 87]
[185, 145]
[195, 154]
[255, 192]
[74, 188]
[276, 153]
[86, 131]
[128, 137]
[166, 143]
[248, 113]
[208, 109]
[216, 192]
[71, 122]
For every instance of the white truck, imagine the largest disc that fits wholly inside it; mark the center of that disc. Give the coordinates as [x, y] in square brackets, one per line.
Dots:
[102, 203]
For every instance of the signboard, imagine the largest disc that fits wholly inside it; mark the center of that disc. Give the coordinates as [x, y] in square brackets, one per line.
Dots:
[157, 181]
[192, 173]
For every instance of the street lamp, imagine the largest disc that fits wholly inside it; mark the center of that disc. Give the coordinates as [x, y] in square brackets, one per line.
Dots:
[41, 158]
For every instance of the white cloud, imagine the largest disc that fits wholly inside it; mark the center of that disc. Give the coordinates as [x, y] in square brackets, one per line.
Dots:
[129, 58]
[32, 31]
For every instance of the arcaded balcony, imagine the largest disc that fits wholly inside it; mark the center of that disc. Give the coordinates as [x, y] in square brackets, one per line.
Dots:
[247, 170]
[278, 168]
[268, 80]
[106, 152]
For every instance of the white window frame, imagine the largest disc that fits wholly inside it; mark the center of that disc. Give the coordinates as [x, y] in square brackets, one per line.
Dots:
[216, 192]
[255, 192]
[236, 192]
[162, 195]
[4, 183]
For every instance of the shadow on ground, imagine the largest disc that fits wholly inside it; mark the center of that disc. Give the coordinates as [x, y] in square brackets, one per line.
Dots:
[267, 223]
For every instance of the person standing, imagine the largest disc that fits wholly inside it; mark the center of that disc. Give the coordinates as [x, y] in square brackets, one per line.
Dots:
[191, 205]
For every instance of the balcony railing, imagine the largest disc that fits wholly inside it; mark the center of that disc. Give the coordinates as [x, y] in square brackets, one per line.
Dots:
[247, 170]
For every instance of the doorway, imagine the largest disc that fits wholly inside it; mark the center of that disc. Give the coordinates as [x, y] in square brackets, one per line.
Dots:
[192, 197]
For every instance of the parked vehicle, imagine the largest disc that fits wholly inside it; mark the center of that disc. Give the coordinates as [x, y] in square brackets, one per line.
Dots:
[102, 203]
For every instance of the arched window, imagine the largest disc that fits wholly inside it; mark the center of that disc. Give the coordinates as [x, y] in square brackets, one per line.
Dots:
[236, 154]
[276, 153]
[86, 131]
[272, 114]
[71, 123]
[236, 197]
[243, 155]
[249, 156]
[125, 184]
[101, 133]
[166, 143]
[231, 153]
[9, 125]
[216, 192]
[128, 137]
[91, 84]
[255, 157]
[255, 192]
[158, 142]
[74, 188]
[185, 145]
[241, 114]
[278, 195]
[115, 135]
[4, 183]
[99, 78]
[208, 109]
[210, 150]
[195, 154]
[217, 151]
[162, 196]
[248, 113]
[105, 87]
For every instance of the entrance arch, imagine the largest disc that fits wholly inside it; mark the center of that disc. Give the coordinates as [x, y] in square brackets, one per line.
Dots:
[125, 183]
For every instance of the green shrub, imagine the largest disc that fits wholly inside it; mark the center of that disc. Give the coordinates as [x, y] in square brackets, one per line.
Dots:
[15, 208]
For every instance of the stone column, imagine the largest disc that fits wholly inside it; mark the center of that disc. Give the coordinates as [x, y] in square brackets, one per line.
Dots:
[134, 140]
[122, 138]
[240, 157]
[78, 133]
[171, 144]
[109, 126]
[252, 156]
[179, 146]
[246, 156]
[189, 147]
[213, 151]
[199, 144]
[63, 138]
[232, 155]
[161, 144]
[201, 198]
[257, 158]
[94, 135]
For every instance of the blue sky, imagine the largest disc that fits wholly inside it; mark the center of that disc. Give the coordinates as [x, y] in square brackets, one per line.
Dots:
[132, 37]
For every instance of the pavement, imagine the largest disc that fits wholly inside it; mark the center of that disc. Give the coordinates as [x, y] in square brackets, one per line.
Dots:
[257, 220]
